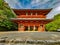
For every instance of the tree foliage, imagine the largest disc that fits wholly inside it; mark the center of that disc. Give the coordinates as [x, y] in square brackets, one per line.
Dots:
[55, 24]
[5, 14]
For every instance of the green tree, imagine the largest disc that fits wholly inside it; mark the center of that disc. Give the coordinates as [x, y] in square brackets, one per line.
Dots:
[5, 14]
[55, 24]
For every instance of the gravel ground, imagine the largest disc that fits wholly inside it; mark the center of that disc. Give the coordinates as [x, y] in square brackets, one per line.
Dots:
[31, 35]
[30, 38]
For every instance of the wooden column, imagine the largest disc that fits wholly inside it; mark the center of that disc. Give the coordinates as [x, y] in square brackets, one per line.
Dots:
[34, 28]
[26, 14]
[36, 14]
[31, 14]
[28, 28]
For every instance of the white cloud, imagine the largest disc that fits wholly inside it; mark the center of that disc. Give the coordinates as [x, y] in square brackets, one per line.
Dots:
[14, 3]
[39, 1]
[34, 3]
[54, 12]
[38, 4]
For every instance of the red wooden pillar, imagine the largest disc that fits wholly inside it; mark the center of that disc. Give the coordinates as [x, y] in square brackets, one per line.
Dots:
[28, 27]
[20, 27]
[34, 28]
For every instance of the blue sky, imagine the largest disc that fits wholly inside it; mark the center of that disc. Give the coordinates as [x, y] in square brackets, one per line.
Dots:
[36, 4]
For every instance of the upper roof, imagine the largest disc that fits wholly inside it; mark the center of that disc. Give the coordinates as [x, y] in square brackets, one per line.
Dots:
[40, 11]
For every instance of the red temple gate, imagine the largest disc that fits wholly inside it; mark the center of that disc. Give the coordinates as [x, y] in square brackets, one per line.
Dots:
[31, 19]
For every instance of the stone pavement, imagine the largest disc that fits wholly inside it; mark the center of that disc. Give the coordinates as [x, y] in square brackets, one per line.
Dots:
[31, 35]
[29, 38]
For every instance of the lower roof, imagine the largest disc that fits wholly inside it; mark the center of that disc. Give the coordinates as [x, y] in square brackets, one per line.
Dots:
[30, 19]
